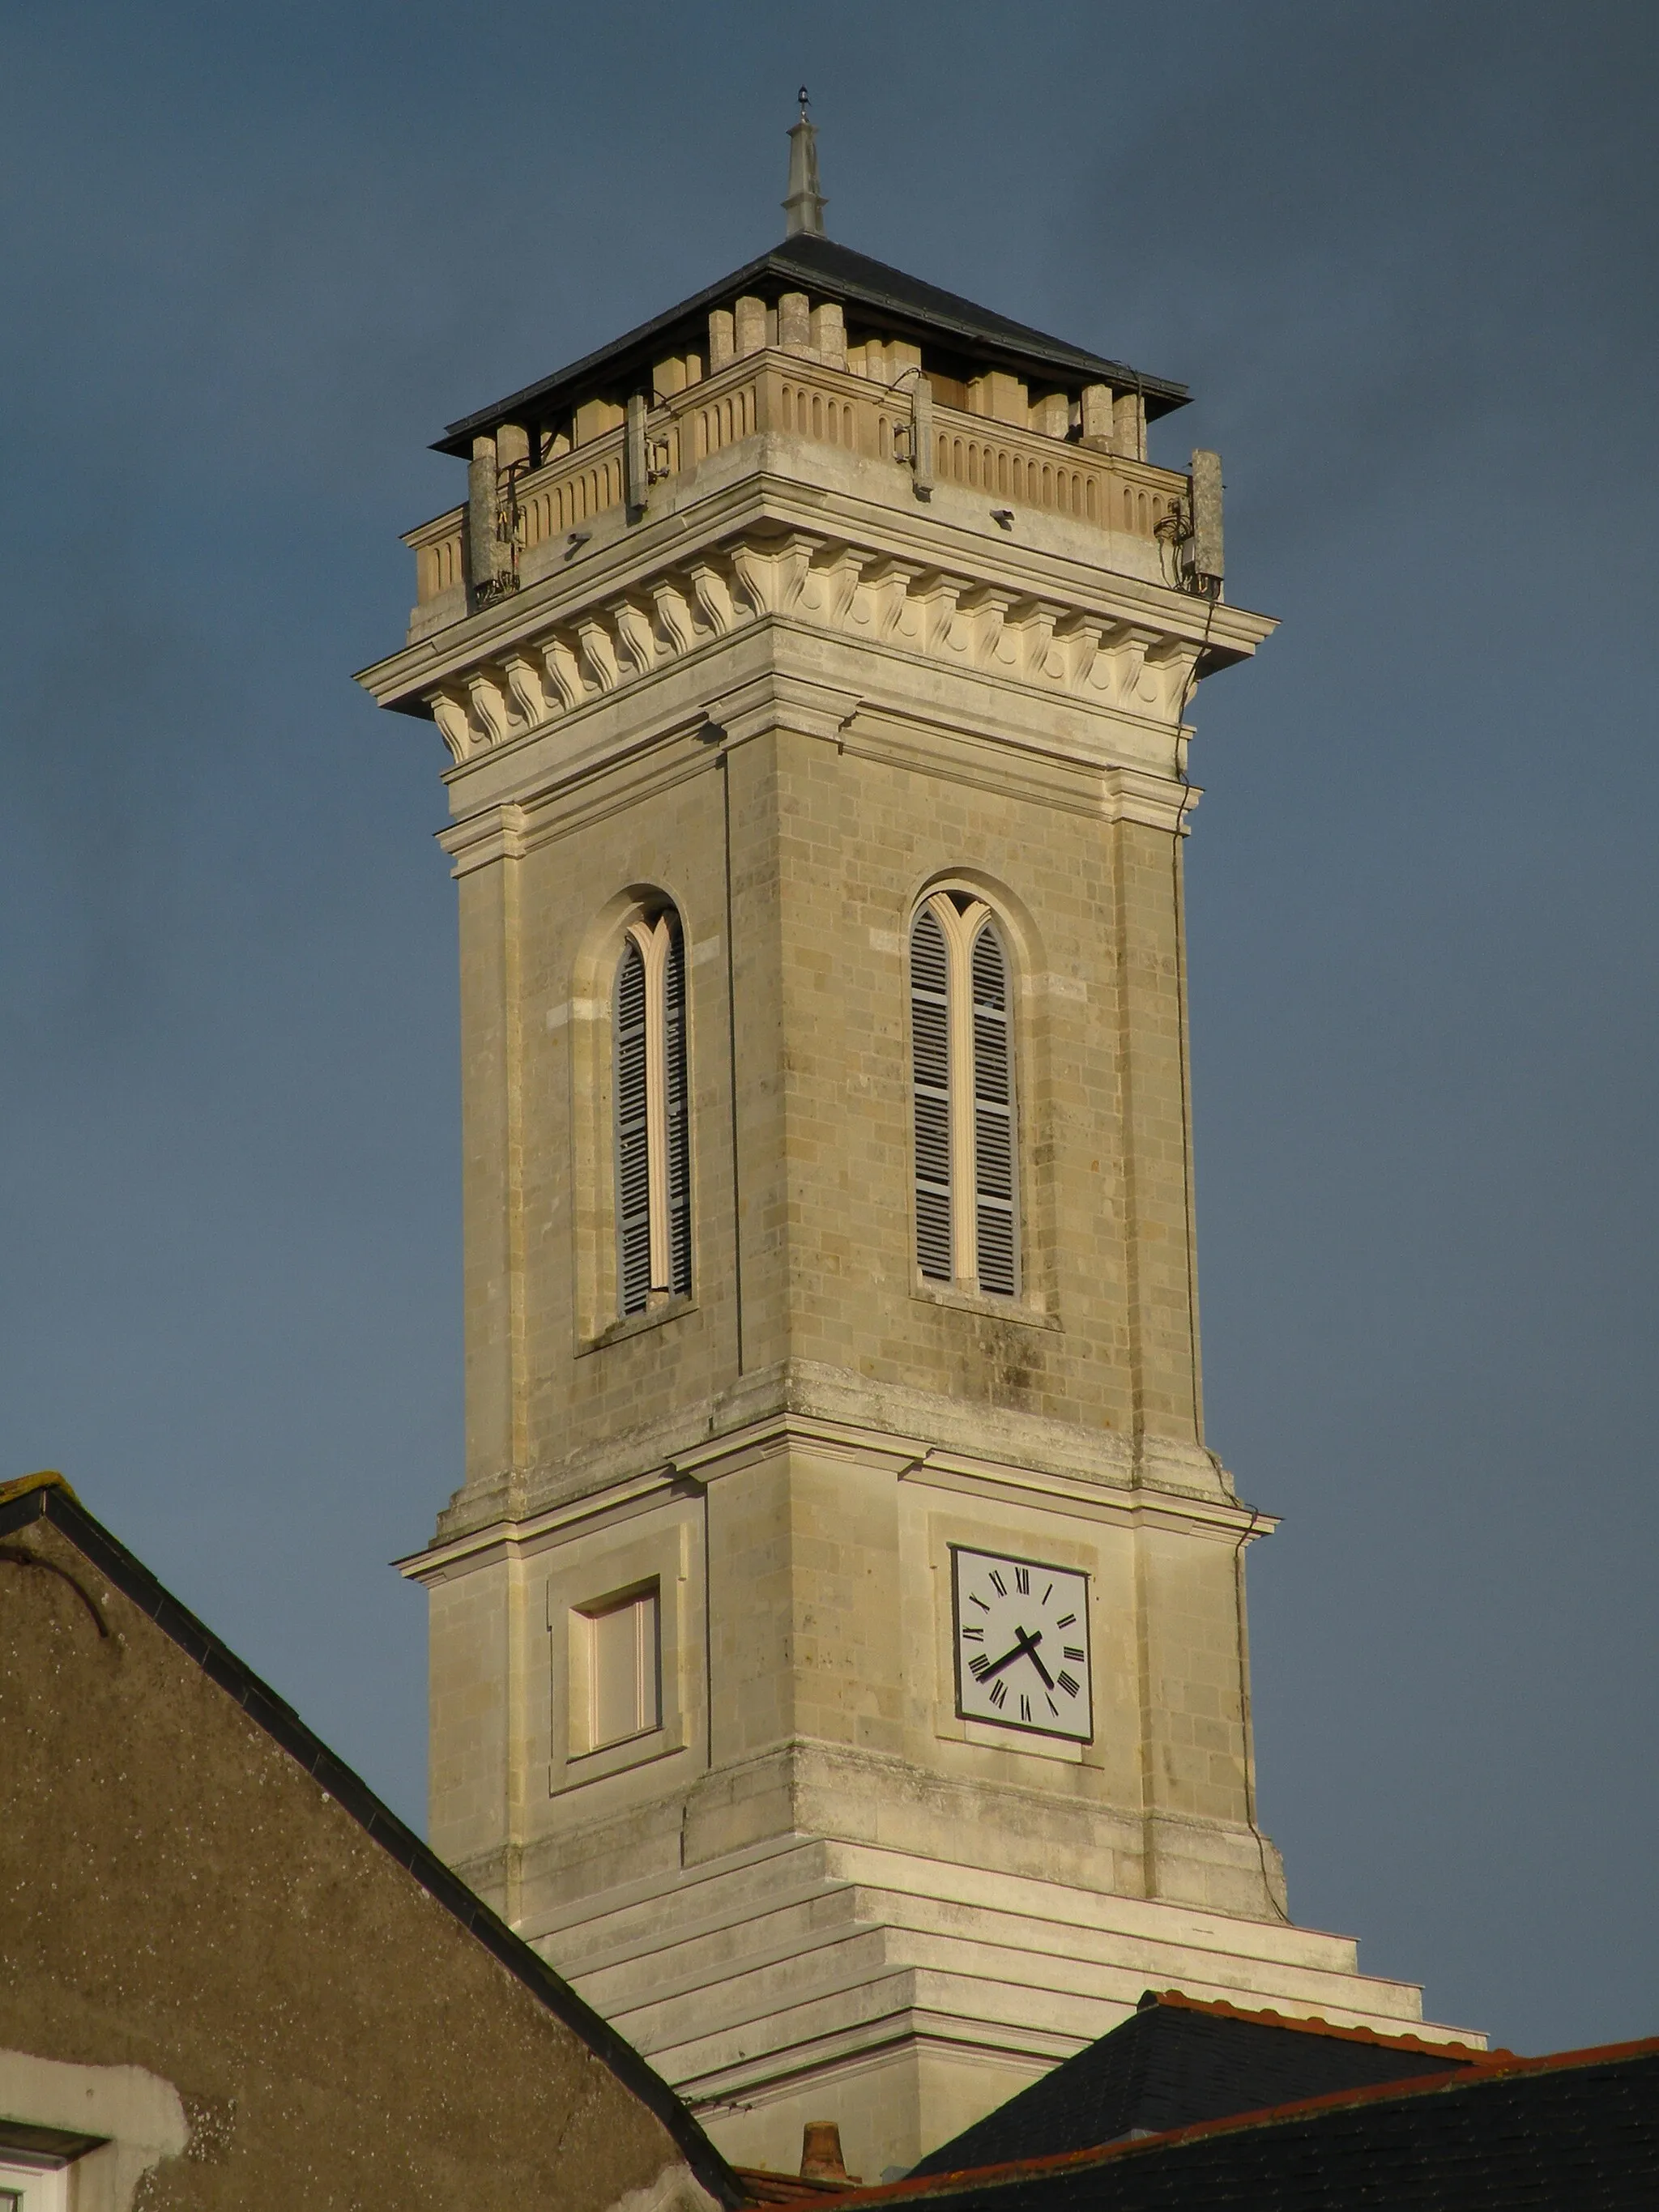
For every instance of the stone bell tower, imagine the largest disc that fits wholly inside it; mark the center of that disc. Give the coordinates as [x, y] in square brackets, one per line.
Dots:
[838, 1652]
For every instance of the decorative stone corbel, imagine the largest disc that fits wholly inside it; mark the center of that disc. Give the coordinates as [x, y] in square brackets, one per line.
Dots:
[935, 598]
[1078, 639]
[523, 681]
[835, 580]
[771, 577]
[674, 615]
[1030, 625]
[985, 611]
[564, 672]
[1170, 665]
[636, 635]
[1116, 670]
[713, 597]
[884, 590]
[489, 704]
[599, 651]
[454, 725]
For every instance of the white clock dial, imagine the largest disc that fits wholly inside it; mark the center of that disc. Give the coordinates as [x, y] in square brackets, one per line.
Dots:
[1022, 1641]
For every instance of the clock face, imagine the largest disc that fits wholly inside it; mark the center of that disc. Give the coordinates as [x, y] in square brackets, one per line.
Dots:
[1022, 1636]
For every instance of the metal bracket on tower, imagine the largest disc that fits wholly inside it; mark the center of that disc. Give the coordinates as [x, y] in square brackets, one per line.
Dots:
[636, 466]
[913, 442]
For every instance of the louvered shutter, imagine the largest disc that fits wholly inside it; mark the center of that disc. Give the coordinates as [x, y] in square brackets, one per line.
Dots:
[675, 1105]
[930, 1085]
[993, 1118]
[633, 1137]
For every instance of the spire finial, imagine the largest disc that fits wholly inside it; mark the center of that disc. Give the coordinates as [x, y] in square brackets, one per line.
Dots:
[804, 204]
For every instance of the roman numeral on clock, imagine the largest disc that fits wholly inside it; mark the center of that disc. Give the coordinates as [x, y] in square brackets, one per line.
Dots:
[978, 1665]
[1067, 1683]
[998, 1694]
[998, 1584]
[1023, 1580]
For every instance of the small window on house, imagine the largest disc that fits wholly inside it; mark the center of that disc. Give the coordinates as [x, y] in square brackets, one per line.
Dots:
[961, 1077]
[624, 1669]
[652, 1134]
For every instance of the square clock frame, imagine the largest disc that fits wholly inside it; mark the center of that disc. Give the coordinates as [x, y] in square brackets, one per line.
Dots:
[1021, 1641]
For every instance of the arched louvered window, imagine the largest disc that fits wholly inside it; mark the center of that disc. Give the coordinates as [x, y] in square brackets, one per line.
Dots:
[653, 1151]
[962, 1080]
[930, 1076]
[994, 1115]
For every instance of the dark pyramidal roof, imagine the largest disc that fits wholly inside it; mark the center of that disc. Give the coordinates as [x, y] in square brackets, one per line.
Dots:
[1176, 2062]
[873, 295]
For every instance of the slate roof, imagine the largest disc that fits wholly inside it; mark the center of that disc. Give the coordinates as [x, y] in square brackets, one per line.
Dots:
[878, 295]
[1575, 2132]
[49, 1497]
[1177, 2061]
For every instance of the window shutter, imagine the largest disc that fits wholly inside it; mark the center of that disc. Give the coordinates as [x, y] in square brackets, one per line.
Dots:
[930, 1083]
[993, 1118]
[678, 1111]
[633, 1137]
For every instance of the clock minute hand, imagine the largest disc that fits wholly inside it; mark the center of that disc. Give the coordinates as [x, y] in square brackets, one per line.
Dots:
[1023, 1647]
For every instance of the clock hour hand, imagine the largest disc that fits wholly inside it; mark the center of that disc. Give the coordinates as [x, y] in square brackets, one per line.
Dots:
[1023, 1647]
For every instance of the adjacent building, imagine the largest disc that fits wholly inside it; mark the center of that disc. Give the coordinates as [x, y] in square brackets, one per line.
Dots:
[230, 1976]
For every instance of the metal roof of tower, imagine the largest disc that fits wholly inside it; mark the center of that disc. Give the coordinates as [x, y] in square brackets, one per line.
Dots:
[902, 306]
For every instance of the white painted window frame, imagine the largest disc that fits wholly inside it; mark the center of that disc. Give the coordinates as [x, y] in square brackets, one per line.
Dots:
[39, 2186]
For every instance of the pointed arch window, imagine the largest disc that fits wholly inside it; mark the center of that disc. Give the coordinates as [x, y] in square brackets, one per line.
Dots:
[961, 1076]
[653, 1151]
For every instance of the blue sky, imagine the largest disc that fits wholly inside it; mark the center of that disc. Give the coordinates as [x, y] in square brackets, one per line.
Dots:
[1405, 256]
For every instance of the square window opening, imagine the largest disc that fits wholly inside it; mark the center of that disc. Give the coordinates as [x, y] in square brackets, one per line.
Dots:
[623, 1640]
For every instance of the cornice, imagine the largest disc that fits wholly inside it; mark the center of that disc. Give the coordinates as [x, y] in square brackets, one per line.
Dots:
[768, 548]
[1162, 1485]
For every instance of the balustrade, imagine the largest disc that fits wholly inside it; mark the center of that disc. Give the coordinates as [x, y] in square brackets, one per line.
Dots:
[773, 391]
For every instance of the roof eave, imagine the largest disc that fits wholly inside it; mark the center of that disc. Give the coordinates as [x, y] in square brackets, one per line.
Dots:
[1162, 396]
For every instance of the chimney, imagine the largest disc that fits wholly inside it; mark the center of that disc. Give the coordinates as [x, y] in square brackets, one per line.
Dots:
[820, 2153]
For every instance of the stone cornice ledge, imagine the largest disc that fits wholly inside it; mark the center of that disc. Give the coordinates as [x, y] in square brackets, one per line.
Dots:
[921, 1435]
[1129, 647]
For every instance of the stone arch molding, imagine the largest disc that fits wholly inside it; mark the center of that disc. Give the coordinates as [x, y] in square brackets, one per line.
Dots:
[1017, 922]
[869, 598]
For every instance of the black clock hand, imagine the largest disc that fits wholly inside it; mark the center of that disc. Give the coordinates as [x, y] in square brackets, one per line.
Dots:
[1028, 1645]
[1024, 1647]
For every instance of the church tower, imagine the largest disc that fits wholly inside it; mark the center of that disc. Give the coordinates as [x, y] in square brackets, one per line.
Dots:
[839, 1665]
